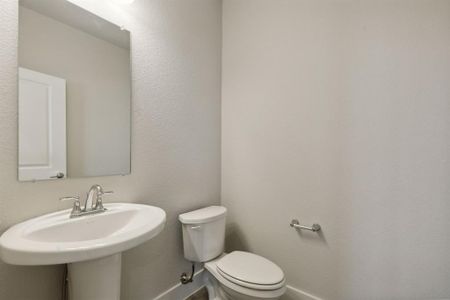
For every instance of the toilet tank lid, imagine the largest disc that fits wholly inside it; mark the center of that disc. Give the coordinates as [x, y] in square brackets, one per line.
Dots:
[203, 215]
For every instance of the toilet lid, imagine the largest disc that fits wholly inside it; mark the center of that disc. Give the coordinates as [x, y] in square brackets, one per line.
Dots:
[248, 268]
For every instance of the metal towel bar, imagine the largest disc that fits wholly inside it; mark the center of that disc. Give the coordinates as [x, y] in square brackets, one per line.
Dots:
[296, 224]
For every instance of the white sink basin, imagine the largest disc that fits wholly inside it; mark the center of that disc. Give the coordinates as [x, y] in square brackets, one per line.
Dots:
[56, 239]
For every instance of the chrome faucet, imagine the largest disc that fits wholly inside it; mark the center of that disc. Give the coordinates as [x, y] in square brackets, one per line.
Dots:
[94, 198]
[93, 203]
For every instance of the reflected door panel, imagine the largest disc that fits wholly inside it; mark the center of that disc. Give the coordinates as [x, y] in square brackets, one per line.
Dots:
[42, 126]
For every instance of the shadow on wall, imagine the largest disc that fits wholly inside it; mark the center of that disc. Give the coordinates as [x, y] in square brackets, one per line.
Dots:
[235, 239]
[313, 237]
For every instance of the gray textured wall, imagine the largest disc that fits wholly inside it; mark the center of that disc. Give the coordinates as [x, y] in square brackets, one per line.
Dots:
[176, 48]
[338, 112]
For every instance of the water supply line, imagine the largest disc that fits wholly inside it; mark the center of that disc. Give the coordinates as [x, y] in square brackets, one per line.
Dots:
[185, 279]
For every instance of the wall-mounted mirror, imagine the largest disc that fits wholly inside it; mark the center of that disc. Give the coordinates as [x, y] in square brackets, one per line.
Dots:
[74, 93]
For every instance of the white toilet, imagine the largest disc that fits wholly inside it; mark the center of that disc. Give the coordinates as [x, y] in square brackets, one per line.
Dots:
[235, 276]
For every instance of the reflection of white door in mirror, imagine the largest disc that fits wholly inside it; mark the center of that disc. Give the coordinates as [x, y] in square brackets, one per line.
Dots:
[42, 126]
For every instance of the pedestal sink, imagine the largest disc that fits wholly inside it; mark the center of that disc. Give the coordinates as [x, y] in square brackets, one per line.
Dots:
[90, 245]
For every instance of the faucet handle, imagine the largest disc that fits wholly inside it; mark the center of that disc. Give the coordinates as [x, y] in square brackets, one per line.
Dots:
[76, 209]
[71, 198]
[99, 203]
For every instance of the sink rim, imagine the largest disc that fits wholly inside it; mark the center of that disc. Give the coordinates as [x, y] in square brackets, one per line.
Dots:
[17, 249]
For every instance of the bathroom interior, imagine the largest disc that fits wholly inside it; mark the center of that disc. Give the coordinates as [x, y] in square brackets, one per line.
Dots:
[225, 149]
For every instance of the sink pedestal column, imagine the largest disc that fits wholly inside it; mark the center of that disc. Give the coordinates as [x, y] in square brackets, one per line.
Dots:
[97, 279]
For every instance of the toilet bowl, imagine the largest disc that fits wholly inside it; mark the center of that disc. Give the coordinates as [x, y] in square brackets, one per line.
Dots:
[237, 275]
[243, 280]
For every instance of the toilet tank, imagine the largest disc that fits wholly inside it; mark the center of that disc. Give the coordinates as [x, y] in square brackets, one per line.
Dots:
[203, 233]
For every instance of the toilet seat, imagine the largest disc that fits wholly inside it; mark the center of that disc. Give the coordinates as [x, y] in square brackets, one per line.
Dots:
[259, 287]
[256, 292]
[251, 271]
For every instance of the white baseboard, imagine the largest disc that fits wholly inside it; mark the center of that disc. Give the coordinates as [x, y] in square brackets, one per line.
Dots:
[182, 291]
[296, 294]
